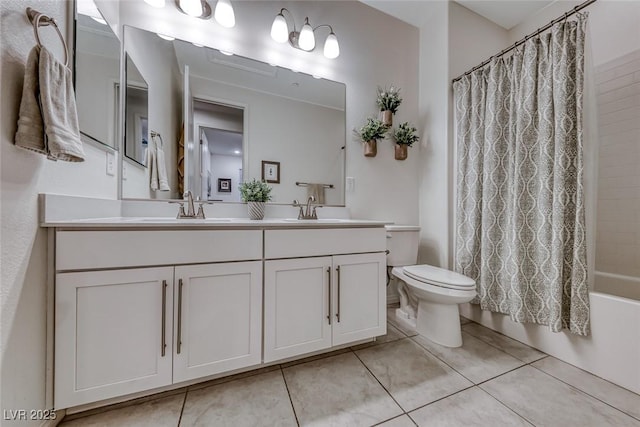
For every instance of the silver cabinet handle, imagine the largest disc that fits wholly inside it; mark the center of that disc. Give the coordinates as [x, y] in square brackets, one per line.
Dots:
[338, 307]
[179, 333]
[163, 344]
[329, 305]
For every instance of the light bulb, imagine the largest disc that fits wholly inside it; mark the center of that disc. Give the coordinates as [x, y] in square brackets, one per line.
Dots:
[306, 41]
[279, 29]
[224, 14]
[191, 7]
[155, 3]
[331, 47]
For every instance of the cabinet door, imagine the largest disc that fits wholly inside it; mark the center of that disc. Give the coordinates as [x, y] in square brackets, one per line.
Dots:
[297, 319]
[113, 333]
[359, 297]
[218, 318]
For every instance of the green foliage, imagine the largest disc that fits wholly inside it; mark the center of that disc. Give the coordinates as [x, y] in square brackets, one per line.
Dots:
[255, 191]
[405, 134]
[374, 129]
[389, 99]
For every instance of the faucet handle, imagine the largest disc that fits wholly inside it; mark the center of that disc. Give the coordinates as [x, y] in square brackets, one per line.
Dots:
[314, 215]
[200, 213]
[181, 212]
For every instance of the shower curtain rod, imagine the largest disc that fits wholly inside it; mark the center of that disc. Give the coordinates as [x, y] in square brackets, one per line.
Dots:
[535, 33]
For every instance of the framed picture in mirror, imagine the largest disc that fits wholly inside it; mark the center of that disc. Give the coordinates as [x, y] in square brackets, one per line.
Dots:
[271, 172]
[224, 185]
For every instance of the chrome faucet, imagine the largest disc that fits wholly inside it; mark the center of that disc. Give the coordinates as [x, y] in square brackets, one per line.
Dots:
[307, 213]
[191, 211]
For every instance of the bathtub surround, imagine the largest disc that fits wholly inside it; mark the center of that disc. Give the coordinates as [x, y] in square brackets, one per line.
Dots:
[520, 224]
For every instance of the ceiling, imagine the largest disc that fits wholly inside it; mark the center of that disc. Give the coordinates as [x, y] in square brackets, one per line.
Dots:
[507, 14]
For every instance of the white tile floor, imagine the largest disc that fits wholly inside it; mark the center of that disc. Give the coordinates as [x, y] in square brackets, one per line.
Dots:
[401, 380]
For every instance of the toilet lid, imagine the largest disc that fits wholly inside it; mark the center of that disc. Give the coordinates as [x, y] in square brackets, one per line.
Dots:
[439, 276]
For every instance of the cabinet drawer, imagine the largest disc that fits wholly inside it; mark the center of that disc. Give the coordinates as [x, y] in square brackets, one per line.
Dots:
[79, 250]
[320, 241]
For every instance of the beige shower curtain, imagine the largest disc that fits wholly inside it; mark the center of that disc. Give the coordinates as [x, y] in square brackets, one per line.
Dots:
[520, 223]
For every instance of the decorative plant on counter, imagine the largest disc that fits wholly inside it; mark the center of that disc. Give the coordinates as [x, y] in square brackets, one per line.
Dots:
[256, 194]
[370, 133]
[388, 101]
[405, 136]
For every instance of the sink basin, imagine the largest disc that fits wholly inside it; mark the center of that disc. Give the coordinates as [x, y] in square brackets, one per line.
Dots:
[169, 220]
[316, 221]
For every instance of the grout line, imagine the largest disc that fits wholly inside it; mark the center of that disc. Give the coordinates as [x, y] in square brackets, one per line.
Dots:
[501, 349]
[184, 402]
[381, 385]
[289, 394]
[505, 405]
[586, 392]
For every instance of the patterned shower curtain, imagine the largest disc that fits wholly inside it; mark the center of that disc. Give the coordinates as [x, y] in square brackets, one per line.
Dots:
[520, 223]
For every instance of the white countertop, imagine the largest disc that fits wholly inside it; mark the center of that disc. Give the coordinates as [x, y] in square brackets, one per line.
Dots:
[222, 223]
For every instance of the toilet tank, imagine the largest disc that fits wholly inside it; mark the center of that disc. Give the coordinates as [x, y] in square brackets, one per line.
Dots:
[402, 244]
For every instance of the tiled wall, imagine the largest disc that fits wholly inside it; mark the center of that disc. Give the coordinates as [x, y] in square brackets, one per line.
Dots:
[618, 215]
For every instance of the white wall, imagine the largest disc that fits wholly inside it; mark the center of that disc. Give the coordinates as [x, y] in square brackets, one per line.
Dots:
[370, 56]
[23, 175]
[225, 167]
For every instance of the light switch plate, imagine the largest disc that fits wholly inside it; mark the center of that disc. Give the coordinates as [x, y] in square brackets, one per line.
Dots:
[351, 184]
[111, 164]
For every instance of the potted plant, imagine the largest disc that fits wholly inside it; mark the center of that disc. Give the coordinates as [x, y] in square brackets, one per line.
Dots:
[405, 136]
[370, 133]
[256, 194]
[388, 101]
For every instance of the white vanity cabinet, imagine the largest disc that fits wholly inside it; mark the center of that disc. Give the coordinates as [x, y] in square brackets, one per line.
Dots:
[113, 333]
[124, 330]
[218, 318]
[317, 302]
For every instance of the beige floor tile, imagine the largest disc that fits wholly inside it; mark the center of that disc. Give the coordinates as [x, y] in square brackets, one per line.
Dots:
[411, 374]
[338, 391]
[472, 407]
[228, 378]
[401, 421]
[546, 401]
[391, 318]
[476, 360]
[260, 400]
[316, 357]
[510, 346]
[393, 334]
[164, 412]
[616, 396]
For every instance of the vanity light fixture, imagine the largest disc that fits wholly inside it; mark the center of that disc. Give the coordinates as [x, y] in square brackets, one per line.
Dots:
[305, 38]
[223, 13]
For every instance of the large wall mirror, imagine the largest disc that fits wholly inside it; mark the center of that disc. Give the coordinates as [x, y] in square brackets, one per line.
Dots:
[220, 119]
[97, 76]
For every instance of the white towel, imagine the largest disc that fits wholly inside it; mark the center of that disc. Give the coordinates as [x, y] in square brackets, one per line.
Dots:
[317, 191]
[48, 119]
[157, 165]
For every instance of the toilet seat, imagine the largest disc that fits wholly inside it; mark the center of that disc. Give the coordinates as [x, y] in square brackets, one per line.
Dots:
[439, 277]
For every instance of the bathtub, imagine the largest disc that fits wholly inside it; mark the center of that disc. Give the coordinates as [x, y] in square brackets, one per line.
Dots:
[618, 285]
[612, 351]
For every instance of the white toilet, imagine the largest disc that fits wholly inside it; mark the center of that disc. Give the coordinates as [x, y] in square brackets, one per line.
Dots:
[429, 296]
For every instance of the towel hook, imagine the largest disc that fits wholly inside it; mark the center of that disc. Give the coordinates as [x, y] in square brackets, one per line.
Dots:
[38, 19]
